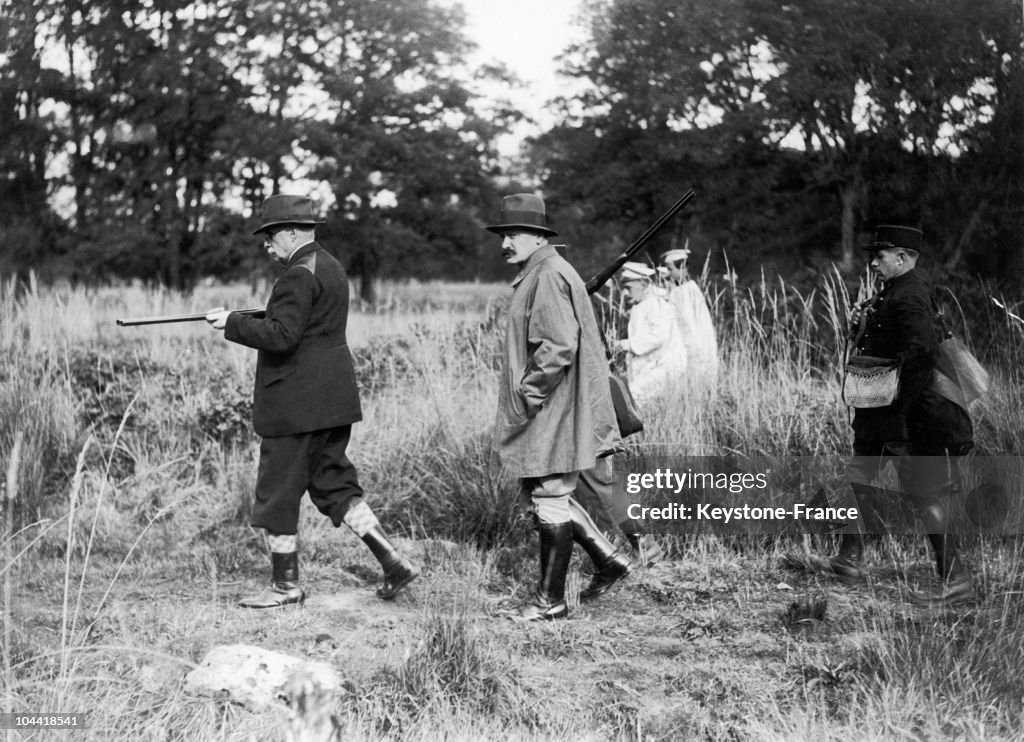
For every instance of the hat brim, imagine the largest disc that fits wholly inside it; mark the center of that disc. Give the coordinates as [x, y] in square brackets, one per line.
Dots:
[300, 222]
[502, 228]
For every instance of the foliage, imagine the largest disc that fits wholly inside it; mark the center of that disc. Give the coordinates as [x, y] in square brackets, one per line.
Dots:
[170, 547]
[798, 137]
[141, 123]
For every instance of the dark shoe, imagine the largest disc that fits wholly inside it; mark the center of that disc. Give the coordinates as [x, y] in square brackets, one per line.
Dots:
[958, 590]
[540, 609]
[555, 552]
[279, 594]
[610, 564]
[284, 587]
[614, 569]
[396, 577]
[398, 571]
[648, 551]
[842, 568]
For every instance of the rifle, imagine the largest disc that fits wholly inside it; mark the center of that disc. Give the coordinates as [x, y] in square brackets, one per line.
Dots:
[169, 318]
[594, 284]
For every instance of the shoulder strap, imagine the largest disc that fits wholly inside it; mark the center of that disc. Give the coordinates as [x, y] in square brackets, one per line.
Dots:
[947, 331]
[862, 326]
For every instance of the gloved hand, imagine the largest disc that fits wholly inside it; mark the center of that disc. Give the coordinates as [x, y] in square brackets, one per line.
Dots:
[218, 317]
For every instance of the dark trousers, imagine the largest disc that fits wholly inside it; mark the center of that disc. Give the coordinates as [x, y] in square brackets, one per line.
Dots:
[291, 465]
[925, 472]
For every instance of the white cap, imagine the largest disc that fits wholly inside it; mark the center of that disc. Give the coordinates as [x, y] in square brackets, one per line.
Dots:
[632, 271]
[674, 256]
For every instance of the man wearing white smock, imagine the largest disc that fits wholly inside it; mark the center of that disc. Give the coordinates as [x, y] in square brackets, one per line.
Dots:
[694, 320]
[656, 361]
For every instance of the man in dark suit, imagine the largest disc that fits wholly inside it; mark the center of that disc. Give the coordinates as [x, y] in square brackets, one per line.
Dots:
[305, 402]
[921, 432]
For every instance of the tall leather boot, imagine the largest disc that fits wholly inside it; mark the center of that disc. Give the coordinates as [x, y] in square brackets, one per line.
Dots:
[555, 552]
[284, 586]
[610, 564]
[398, 571]
[845, 566]
[956, 586]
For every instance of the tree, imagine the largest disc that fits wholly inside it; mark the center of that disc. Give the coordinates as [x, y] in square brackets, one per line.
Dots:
[160, 119]
[780, 110]
[403, 144]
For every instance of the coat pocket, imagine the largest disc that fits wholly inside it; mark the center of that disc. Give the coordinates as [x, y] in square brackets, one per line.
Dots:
[274, 374]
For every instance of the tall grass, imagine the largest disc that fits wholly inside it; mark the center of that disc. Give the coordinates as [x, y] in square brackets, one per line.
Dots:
[136, 455]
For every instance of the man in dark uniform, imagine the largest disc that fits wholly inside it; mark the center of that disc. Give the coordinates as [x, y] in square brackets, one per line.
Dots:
[921, 432]
[305, 402]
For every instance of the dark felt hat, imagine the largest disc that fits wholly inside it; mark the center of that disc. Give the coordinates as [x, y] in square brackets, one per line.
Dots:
[891, 235]
[522, 211]
[283, 209]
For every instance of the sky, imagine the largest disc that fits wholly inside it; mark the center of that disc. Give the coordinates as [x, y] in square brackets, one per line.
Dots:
[527, 35]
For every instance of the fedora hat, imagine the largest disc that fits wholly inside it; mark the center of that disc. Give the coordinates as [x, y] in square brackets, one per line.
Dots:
[284, 209]
[522, 211]
[891, 235]
[633, 271]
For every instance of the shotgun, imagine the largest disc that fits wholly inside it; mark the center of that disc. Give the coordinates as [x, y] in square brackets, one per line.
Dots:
[169, 318]
[594, 284]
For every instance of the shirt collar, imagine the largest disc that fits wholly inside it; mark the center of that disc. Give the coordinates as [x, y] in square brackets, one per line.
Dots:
[303, 249]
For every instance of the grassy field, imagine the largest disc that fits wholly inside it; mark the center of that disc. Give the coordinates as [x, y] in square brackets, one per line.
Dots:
[130, 463]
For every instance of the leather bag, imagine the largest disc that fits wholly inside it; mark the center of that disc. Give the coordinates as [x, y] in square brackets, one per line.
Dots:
[627, 415]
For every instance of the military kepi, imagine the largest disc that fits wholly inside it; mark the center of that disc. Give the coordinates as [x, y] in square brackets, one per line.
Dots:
[284, 209]
[890, 235]
[522, 211]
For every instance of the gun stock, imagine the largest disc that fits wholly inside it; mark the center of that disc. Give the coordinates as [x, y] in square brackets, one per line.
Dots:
[171, 318]
[594, 284]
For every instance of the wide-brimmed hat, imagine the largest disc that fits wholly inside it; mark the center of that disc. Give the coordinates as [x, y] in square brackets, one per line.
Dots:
[633, 271]
[891, 235]
[522, 211]
[675, 256]
[284, 209]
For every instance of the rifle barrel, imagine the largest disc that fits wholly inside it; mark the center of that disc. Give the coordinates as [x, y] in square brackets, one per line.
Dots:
[594, 284]
[171, 318]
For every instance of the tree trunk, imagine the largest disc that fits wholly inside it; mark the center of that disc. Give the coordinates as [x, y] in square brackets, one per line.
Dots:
[957, 253]
[848, 197]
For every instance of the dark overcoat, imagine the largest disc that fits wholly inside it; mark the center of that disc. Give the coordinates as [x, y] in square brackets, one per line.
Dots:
[305, 379]
[902, 325]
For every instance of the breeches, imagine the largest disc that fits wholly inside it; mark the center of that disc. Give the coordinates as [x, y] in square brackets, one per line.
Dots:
[291, 465]
[548, 496]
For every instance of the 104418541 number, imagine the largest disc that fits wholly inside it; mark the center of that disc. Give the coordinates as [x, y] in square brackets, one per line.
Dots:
[47, 720]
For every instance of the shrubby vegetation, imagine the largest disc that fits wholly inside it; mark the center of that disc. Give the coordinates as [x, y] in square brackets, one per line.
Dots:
[135, 475]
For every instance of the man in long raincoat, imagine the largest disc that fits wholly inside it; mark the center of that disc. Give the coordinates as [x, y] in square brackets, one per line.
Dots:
[555, 415]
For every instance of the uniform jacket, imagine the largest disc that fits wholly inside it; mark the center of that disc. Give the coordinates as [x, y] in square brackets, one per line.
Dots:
[305, 379]
[697, 329]
[555, 411]
[657, 354]
[902, 326]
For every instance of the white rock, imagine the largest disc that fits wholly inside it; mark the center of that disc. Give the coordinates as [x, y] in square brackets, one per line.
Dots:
[256, 677]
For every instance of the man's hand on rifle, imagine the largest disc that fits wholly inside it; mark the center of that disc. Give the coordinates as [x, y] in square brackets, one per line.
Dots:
[218, 317]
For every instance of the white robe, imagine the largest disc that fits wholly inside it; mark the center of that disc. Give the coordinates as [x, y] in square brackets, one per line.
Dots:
[657, 354]
[698, 332]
